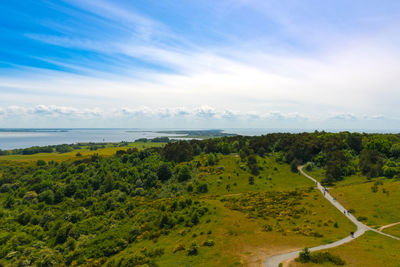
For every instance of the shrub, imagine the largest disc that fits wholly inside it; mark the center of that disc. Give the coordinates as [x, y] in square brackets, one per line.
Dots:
[189, 187]
[267, 228]
[293, 166]
[193, 249]
[251, 180]
[362, 218]
[47, 196]
[322, 257]
[202, 188]
[208, 243]
[184, 174]
[304, 255]
[40, 162]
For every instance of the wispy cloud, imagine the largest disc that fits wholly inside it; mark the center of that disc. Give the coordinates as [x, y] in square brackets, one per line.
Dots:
[269, 64]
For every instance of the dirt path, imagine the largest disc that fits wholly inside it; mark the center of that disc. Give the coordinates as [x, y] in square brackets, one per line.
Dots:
[387, 226]
[361, 228]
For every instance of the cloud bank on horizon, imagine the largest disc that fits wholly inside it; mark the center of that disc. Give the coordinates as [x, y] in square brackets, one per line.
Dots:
[229, 63]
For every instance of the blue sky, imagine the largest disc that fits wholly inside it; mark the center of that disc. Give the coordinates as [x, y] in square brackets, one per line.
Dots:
[229, 63]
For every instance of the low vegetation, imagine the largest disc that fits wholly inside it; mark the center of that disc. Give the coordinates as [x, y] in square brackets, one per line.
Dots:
[225, 201]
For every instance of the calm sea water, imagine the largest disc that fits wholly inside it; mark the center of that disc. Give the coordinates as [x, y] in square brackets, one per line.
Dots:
[23, 138]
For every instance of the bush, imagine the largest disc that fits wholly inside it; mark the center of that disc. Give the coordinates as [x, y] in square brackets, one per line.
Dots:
[40, 162]
[322, 257]
[251, 180]
[267, 228]
[293, 166]
[193, 249]
[184, 174]
[202, 188]
[362, 218]
[208, 243]
[47, 196]
[304, 255]
[319, 257]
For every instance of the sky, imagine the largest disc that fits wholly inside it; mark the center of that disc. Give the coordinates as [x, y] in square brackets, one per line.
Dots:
[310, 64]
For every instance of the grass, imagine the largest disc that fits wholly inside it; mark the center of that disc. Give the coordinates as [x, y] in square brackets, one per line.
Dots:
[379, 208]
[239, 238]
[109, 150]
[231, 176]
[369, 250]
[354, 192]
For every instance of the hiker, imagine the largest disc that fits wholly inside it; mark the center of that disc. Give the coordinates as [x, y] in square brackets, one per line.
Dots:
[352, 234]
[344, 212]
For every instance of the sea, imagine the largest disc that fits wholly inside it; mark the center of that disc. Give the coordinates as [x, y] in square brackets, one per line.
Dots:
[12, 138]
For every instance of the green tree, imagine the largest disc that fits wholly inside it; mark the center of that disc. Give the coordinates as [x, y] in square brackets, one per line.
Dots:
[47, 196]
[184, 173]
[164, 172]
[371, 162]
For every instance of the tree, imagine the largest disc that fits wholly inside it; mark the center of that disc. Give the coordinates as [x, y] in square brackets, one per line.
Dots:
[47, 196]
[184, 173]
[211, 159]
[380, 144]
[164, 172]
[108, 182]
[293, 166]
[395, 150]
[371, 162]
[178, 151]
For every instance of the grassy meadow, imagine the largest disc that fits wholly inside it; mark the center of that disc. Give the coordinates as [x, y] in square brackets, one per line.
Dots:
[369, 250]
[376, 207]
[248, 219]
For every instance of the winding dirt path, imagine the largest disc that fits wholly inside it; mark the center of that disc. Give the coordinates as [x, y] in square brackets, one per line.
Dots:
[274, 261]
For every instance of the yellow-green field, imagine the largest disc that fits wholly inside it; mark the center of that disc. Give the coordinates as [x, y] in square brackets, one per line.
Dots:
[239, 238]
[107, 151]
[369, 250]
[354, 192]
[231, 176]
[239, 241]
[380, 208]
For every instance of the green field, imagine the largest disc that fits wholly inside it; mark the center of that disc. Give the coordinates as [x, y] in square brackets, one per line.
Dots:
[369, 250]
[238, 233]
[378, 208]
[231, 201]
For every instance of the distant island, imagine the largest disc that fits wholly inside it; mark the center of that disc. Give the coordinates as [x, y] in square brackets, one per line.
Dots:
[199, 133]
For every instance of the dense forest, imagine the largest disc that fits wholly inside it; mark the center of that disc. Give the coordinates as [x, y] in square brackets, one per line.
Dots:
[84, 211]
